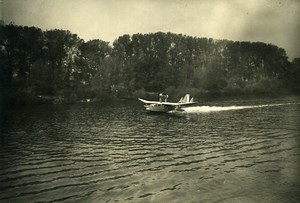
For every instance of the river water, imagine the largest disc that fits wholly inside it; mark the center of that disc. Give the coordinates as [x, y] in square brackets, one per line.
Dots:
[220, 151]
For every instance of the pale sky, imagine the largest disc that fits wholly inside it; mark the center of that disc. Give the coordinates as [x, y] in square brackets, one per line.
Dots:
[270, 21]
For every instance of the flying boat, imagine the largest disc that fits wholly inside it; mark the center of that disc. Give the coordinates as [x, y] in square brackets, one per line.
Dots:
[164, 106]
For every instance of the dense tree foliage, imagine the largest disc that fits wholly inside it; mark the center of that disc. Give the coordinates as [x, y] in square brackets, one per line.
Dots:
[58, 66]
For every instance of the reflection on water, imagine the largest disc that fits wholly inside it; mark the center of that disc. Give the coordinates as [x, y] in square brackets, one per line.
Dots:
[222, 152]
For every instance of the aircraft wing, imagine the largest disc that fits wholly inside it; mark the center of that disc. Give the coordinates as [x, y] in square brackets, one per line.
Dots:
[167, 103]
[187, 104]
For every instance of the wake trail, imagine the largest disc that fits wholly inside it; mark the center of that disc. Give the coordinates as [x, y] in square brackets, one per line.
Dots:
[205, 109]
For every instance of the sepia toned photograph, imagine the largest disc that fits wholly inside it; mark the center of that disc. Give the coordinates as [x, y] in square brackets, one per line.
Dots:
[184, 101]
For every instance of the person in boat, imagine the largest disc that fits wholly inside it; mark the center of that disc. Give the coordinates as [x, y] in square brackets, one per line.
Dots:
[163, 97]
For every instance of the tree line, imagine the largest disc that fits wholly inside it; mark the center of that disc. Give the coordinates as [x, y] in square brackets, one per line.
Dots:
[59, 66]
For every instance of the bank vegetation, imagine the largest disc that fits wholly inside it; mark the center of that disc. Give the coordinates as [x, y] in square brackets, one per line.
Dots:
[58, 66]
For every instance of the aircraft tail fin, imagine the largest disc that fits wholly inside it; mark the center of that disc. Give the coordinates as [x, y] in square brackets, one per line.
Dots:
[186, 99]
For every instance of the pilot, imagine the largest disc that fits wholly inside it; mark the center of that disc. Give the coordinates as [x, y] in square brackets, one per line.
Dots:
[163, 97]
[160, 97]
[166, 97]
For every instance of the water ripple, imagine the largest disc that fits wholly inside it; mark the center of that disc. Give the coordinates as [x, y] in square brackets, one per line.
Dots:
[104, 154]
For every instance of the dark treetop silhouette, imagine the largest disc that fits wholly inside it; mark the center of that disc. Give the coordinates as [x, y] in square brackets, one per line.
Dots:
[58, 66]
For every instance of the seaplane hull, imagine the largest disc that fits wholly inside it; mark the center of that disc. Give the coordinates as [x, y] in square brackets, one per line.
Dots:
[158, 108]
